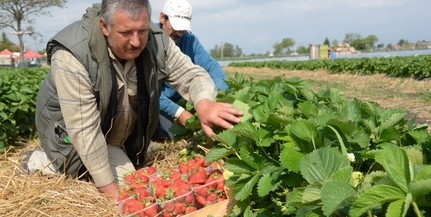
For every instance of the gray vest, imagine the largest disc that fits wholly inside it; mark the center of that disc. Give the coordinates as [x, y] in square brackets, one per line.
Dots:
[84, 39]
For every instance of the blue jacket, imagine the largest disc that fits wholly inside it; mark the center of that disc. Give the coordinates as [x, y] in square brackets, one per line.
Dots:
[190, 45]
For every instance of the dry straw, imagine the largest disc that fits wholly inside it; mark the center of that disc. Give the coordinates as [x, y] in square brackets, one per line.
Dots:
[35, 195]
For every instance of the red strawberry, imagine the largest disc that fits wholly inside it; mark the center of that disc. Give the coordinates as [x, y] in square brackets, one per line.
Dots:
[132, 205]
[202, 191]
[151, 211]
[190, 209]
[183, 167]
[151, 171]
[212, 198]
[188, 199]
[169, 206]
[180, 208]
[201, 200]
[198, 177]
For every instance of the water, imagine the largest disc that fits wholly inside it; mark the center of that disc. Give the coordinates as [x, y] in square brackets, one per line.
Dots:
[368, 55]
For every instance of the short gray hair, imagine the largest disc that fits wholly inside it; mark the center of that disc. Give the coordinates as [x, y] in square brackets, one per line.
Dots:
[132, 7]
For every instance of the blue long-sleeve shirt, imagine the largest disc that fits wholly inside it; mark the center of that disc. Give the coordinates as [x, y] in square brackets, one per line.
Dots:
[190, 45]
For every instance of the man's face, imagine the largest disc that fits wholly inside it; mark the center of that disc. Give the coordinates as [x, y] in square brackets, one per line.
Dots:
[167, 27]
[127, 36]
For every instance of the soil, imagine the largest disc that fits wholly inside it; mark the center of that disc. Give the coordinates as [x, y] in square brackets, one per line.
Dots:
[412, 95]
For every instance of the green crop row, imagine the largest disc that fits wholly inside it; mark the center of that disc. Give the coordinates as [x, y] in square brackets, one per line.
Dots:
[18, 91]
[417, 67]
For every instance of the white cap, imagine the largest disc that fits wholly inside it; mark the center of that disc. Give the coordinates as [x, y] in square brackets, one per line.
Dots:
[179, 13]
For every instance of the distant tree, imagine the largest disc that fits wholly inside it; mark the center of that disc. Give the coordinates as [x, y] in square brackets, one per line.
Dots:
[283, 47]
[20, 15]
[352, 37]
[370, 41]
[380, 46]
[402, 42]
[356, 41]
[226, 50]
[237, 51]
[5, 42]
[334, 42]
[303, 50]
[326, 42]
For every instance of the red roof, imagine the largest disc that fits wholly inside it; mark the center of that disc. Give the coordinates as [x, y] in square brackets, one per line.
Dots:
[6, 52]
[32, 54]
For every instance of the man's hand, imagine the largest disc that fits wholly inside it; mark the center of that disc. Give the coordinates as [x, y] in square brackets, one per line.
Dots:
[184, 116]
[216, 114]
[110, 191]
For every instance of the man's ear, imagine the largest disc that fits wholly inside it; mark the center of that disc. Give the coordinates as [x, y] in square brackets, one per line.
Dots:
[104, 27]
[162, 18]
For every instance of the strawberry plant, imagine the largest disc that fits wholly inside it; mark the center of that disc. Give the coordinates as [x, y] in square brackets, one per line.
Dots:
[300, 153]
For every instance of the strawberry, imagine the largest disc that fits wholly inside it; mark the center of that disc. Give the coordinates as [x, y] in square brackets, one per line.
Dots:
[132, 205]
[202, 191]
[198, 177]
[150, 171]
[190, 209]
[151, 211]
[188, 199]
[169, 206]
[183, 167]
[201, 200]
[180, 208]
[212, 198]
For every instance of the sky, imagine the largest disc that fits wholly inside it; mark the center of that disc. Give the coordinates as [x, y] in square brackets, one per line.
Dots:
[256, 25]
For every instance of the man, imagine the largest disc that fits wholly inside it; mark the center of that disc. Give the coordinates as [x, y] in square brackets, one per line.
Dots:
[175, 20]
[96, 109]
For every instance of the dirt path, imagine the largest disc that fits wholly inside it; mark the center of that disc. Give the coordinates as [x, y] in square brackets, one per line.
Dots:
[409, 94]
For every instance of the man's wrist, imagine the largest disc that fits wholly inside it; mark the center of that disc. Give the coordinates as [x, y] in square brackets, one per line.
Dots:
[179, 111]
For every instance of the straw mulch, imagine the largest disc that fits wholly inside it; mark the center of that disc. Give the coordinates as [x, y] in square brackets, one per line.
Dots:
[22, 194]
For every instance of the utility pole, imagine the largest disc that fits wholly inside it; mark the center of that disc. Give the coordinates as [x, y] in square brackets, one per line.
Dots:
[221, 50]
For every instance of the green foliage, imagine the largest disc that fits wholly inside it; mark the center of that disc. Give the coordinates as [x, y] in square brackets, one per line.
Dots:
[18, 91]
[418, 67]
[300, 153]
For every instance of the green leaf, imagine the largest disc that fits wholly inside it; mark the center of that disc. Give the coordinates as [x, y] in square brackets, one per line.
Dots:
[243, 188]
[311, 193]
[322, 164]
[304, 130]
[244, 108]
[415, 156]
[289, 158]
[420, 187]
[252, 159]
[344, 174]
[399, 207]
[265, 185]
[309, 109]
[238, 166]
[395, 209]
[227, 137]
[423, 172]
[334, 195]
[215, 154]
[374, 197]
[396, 164]
[246, 129]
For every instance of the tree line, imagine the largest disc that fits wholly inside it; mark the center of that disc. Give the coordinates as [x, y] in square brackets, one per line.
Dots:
[287, 46]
